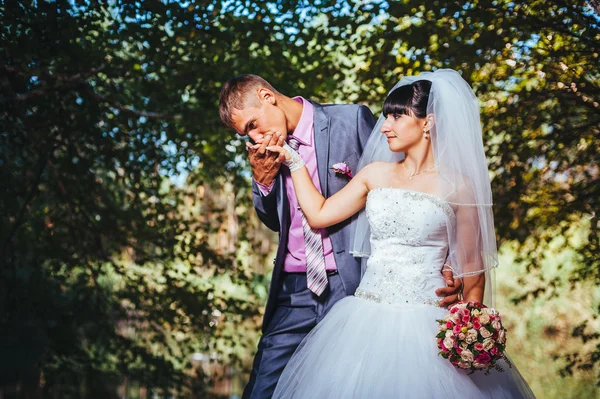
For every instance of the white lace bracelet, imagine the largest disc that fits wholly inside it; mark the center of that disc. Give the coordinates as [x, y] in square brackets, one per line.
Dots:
[295, 162]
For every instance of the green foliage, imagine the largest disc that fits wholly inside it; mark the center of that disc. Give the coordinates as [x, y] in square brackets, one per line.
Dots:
[109, 269]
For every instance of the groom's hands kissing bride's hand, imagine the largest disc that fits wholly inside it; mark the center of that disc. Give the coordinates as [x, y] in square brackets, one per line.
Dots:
[265, 164]
[450, 293]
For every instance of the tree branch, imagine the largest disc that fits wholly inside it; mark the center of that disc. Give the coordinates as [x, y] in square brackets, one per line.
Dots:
[150, 115]
[19, 221]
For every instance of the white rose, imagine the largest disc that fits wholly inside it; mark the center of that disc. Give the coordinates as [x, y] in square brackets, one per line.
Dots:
[479, 365]
[471, 336]
[461, 336]
[476, 312]
[467, 356]
[448, 317]
[484, 332]
[448, 343]
[443, 327]
[502, 336]
[488, 344]
[484, 318]
[449, 333]
[496, 324]
[464, 345]
[463, 365]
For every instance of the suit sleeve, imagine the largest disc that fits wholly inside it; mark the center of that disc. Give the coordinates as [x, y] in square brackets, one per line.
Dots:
[266, 205]
[366, 122]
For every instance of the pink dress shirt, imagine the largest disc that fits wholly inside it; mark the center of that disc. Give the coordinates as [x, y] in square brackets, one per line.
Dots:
[295, 258]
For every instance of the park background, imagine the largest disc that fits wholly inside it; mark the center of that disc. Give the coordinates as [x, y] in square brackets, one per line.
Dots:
[132, 262]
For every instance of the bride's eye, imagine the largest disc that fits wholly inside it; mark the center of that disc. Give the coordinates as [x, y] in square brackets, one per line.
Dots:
[397, 116]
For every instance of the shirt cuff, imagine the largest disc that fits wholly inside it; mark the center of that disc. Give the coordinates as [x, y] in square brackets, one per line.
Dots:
[265, 189]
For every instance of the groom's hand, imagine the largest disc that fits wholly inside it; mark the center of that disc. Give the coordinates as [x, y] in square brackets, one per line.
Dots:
[265, 164]
[451, 292]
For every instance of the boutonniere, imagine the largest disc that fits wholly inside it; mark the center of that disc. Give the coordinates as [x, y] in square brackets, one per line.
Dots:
[342, 169]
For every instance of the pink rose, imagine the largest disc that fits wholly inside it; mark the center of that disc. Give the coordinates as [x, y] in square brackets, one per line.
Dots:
[454, 310]
[449, 325]
[441, 345]
[457, 329]
[483, 357]
[476, 324]
[479, 347]
[466, 319]
[342, 169]
[448, 342]
[494, 351]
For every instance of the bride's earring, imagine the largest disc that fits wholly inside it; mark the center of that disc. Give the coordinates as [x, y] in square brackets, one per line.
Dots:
[426, 131]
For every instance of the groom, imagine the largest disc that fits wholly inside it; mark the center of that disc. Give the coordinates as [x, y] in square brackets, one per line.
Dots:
[313, 268]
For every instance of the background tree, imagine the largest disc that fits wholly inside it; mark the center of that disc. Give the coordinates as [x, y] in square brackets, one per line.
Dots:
[107, 266]
[119, 179]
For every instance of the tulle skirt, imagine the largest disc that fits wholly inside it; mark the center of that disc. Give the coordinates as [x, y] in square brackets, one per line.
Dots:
[363, 349]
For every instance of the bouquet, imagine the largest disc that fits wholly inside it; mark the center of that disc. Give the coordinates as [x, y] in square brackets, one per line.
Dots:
[472, 337]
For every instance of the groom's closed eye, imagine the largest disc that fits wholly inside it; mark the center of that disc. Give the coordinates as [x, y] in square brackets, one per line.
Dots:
[250, 125]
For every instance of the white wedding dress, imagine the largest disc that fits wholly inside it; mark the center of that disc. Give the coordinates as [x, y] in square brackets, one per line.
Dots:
[380, 342]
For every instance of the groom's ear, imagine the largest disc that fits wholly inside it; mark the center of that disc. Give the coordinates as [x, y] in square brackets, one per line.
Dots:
[266, 96]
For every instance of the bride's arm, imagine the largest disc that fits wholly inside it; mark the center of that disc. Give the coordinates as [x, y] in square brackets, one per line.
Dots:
[321, 212]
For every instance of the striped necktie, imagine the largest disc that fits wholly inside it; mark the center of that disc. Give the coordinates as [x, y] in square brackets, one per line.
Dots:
[316, 275]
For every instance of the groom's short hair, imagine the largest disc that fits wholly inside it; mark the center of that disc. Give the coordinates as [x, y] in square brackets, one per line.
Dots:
[235, 94]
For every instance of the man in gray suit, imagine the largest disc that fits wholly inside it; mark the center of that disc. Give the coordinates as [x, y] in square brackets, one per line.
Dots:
[324, 135]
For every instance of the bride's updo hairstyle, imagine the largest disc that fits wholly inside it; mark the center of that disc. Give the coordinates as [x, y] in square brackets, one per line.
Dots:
[408, 100]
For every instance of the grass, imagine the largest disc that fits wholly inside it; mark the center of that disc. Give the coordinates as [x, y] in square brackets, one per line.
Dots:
[540, 328]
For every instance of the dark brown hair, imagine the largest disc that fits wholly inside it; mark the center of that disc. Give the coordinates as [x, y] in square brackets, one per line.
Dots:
[409, 99]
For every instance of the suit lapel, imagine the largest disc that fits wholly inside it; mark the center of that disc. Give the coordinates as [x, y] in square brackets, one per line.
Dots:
[321, 124]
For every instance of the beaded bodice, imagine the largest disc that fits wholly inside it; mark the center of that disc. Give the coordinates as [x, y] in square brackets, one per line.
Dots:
[409, 245]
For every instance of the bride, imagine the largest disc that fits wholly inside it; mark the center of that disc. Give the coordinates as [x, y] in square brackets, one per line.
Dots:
[426, 189]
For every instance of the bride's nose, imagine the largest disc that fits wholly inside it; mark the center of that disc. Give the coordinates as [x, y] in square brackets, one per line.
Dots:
[385, 127]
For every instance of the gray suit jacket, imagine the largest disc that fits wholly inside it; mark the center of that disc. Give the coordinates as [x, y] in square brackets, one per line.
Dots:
[341, 132]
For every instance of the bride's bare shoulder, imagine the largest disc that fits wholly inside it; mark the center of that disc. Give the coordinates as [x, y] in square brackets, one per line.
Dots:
[380, 167]
[377, 173]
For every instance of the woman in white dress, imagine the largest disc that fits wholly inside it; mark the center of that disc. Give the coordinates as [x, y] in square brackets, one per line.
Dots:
[427, 203]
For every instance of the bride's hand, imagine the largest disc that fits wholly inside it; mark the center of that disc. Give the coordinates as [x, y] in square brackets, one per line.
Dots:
[277, 148]
[287, 155]
[284, 154]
